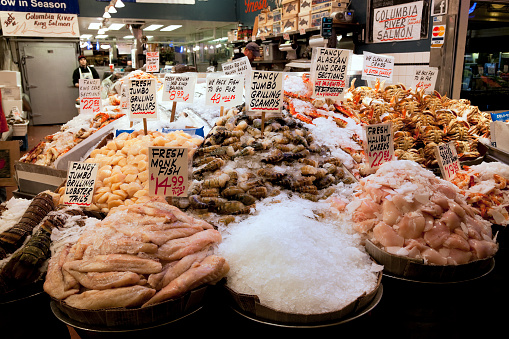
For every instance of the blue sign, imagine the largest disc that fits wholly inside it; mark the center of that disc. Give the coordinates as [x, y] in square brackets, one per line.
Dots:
[504, 116]
[41, 6]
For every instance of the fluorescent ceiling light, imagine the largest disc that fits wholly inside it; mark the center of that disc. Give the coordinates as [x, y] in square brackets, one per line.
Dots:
[129, 37]
[152, 27]
[101, 31]
[119, 4]
[170, 28]
[86, 36]
[94, 25]
[101, 36]
[105, 46]
[115, 27]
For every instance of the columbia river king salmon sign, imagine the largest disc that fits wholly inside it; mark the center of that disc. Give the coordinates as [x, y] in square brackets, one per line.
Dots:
[397, 23]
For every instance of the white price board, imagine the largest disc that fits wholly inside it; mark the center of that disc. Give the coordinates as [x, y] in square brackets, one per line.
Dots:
[224, 90]
[90, 96]
[179, 87]
[448, 160]
[240, 66]
[379, 144]
[376, 66]
[265, 92]
[79, 187]
[152, 64]
[424, 79]
[168, 171]
[142, 99]
[397, 23]
[329, 69]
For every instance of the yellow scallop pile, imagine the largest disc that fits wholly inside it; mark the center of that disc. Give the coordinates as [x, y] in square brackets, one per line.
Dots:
[122, 178]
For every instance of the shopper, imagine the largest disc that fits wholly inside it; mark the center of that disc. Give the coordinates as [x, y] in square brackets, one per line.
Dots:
[252, 51]
[83, 72]
[4, 127]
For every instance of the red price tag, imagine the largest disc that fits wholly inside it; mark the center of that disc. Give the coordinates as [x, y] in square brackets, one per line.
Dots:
[379, 157]
[175, 185]
[286, 36]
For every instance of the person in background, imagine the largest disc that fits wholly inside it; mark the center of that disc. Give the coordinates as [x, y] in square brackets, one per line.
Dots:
[252, 51]
[4, 127]
[83, 72]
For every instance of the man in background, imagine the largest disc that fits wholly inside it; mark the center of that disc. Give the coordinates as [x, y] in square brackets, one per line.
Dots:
[252, 51]
[83, 72]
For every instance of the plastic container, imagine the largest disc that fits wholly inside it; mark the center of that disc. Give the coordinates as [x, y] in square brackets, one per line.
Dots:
[20, 130]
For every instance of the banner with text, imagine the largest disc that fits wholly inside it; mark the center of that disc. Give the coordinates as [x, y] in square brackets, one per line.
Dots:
[179, 87]
[377, 66]
[265, 92]
[40, 24]
[397, 23]
[142, 99]
[329, 72]
[224, 90]
[41, 6]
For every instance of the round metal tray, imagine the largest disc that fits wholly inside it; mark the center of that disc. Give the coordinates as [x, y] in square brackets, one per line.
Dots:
[376, 299]
[93, 328]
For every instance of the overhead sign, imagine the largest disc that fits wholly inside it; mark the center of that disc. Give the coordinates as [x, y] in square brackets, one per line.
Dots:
[142, 99]
[224, 90]
[152, 62]
[90, 95]
[377, 66]
[425, 78]
[79, 187]
[329, 72]
[41, 6]
[179, 87]
[397, 23]
[39, 24]
[265, 92]
[168, 171]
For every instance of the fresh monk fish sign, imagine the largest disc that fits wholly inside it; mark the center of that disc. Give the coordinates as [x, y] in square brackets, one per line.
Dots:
[397, 23]
[329, 72]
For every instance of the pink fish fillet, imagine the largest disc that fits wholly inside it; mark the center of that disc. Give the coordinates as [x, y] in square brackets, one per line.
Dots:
[130, 296]
[209, 271]
[178, 248]
[54, 284]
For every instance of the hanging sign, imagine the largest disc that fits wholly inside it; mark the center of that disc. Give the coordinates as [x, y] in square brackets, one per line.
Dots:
[397, 23]
[438, 36]
[265, 93]
[79, 187]
[179, 87]
[152, 64]
[44, 6]
[90, 95]
[448, 160]
[329, 72]
[224, 90]
[240, 66]
[142, 99]
[39, 24]
[425, 78]
[377, 66]
[379, 144]
[168, 171]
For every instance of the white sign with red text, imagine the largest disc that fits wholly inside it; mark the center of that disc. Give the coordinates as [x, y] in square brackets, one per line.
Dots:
[152, 62]
[424, 79]
[224, 90]
[54, 25]
[379, 144]
[90, 96]
[376, 66]
[448, 160]
[179, 87]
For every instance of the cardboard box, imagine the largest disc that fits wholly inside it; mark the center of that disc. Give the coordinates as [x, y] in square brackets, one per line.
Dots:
[290, 24]
[331, 6]
[8, 105]
[262, 18]
[276, 15]
[290, 9]
[276, 27]
[316, 18]
[10, 78]
[270, 18]
[316, 2]
[304, 21]
[305, 6]
[10, 92]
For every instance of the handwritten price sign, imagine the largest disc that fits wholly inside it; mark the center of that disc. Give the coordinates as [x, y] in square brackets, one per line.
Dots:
[329, 72]
[90, 96]
[179, 87]
[377, 66]
[448, 160]
[379, 144]
[152, 62]
[224, 90]
[425, 79]
[168, 171]
[79, 187]
[142, 99]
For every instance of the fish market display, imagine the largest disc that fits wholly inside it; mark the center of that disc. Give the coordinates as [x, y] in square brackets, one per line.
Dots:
[485, 187]
[237, 165]
[122, 177]
[71, 134]
[139, 255]
[408, 211]
[297, 258]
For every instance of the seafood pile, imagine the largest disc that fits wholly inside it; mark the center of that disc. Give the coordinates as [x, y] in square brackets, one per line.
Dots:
[139, 255]
[122, 177]
[238, 165]
[485, 187]
[71, 134]
[406, 210]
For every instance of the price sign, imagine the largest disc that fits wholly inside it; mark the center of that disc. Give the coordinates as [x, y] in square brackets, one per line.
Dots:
[329, 72]
[168, 171]
[425, 79]
[379, 144]
[124, 96]
[142, 99]
[179, 87]
[152, 64]
[90, 95]
[79, 187]
[302, 31]
[447, 159]
[240, 66]
[265, 92]
[286, 36]
[224, 90]
[376, 66]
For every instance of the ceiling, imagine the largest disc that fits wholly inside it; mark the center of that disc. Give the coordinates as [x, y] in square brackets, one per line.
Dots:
[190, 32]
